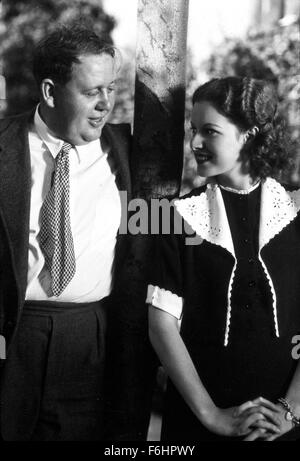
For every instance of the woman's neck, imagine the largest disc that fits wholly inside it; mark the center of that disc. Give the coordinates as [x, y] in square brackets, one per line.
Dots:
[243, 182]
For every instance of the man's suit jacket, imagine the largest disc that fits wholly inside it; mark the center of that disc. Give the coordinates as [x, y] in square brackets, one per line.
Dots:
[131, 364]
[15, 190]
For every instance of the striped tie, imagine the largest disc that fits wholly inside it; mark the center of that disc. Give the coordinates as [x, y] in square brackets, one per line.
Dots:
[56, 239]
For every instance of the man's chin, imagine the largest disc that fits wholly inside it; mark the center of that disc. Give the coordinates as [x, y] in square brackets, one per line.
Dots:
[90, 135]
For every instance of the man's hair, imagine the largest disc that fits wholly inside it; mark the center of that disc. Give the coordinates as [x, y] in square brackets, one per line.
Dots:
[249, 103]
[56, 54]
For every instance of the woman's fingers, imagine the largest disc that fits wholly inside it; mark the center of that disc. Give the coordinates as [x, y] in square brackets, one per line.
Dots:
[268, 414]
[257, 420]
[271, 438]
[254, 435]
[268, 426]
[248, 421]
[245, 406]
[261, 401]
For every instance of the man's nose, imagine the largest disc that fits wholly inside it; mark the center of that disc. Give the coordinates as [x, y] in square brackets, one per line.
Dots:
[197, 141]
[104, 102]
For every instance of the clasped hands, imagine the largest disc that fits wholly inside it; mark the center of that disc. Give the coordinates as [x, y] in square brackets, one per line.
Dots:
[255, 419]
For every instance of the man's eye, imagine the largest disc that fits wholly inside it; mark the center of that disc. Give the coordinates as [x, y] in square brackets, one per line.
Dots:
[92, 93]
[193, 129]
[110, 89]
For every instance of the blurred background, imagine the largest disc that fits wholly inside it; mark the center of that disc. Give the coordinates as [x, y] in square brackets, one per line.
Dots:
[258, 38]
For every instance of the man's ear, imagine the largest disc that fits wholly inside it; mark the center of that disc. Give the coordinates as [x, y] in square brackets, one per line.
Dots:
[47, 91]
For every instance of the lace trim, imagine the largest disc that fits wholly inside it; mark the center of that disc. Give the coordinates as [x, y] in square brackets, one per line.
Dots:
[241, 191]
[228, 314]
[278, 209]
[206, 215]
[274, 303]
[165, 300]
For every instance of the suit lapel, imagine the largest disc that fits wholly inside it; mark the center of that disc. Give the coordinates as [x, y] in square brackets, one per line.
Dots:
[116, 141]
[15, 186]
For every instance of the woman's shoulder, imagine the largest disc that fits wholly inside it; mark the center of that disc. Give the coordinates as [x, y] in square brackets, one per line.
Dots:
[290, 187]
[194, 192]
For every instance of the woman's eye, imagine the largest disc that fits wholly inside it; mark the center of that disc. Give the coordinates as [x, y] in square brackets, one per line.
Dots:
[210, 132]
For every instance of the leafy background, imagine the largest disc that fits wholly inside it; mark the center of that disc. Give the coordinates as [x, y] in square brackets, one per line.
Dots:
[271, 54]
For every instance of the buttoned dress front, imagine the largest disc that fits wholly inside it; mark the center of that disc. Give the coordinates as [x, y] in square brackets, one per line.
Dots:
[236, 292]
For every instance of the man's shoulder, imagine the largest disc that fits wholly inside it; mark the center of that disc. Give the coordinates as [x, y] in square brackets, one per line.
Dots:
[120, 129]
[15, 121]
[118, 137]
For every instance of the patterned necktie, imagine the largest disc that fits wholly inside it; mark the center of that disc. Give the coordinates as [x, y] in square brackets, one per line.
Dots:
[55, 235]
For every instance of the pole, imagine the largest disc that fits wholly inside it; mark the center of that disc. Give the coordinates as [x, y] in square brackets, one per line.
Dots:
[159, 97]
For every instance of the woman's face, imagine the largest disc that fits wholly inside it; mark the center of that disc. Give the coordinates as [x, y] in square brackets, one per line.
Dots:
[216, 143]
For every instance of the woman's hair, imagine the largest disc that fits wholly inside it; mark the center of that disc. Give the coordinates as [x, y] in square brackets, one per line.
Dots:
[251, 104]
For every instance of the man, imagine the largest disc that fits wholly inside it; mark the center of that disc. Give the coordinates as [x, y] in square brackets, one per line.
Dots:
[62, 168]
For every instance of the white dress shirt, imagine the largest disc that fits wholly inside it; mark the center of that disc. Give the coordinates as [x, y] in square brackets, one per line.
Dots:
[95, 211]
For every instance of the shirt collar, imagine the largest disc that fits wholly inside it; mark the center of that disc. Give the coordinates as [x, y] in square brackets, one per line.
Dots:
[55, 144]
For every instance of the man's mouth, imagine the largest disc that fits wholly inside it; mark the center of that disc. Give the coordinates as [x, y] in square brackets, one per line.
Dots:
[96, 121]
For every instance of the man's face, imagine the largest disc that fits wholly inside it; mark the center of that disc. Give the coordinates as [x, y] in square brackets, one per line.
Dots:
[83, 104]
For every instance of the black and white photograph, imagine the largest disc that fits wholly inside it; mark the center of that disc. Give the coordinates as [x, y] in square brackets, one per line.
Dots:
[149, 223]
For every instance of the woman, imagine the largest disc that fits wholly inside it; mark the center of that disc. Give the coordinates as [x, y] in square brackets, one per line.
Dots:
[237, 291]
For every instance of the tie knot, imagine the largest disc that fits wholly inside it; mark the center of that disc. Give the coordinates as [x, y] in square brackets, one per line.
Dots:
[66, 147]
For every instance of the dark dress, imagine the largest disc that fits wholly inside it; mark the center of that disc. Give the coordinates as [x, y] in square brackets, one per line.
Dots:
[255, 362]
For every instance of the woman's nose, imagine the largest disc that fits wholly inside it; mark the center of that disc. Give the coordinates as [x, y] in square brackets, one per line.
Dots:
[197, 141]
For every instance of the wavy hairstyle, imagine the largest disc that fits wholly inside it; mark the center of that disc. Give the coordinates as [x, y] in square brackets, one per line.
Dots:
[55, 55]
[250, 103]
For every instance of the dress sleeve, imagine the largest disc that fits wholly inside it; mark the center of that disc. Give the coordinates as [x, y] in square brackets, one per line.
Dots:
[165, 288]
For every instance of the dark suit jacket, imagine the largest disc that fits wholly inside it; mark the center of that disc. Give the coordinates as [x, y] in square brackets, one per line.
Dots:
[130, 372]
[15, 189]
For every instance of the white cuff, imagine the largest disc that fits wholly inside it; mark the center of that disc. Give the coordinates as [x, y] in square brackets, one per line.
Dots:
[165, 300]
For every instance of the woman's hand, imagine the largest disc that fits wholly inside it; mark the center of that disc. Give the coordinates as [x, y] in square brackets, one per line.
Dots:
[285, 426]
[253, 418]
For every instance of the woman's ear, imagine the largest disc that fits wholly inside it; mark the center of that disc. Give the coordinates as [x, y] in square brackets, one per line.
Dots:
[251, 132]
[47, 92]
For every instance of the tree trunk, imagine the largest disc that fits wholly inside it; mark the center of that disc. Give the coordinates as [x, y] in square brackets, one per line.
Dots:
[159, 97]
[257, 13]
[276, 11]
[156, 165]
[292, 7]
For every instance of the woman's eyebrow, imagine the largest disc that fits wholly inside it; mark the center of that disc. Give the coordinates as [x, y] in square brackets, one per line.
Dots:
[212, 124]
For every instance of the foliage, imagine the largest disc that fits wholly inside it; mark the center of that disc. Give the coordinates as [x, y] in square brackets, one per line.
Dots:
[124, 106]
[272, 55]
[23, 24]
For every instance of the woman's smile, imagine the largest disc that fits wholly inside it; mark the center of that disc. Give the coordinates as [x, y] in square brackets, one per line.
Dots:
[202, 156]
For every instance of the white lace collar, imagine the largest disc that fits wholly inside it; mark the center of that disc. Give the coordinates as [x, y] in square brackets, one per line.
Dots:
[279, 207]
[241, 191]
[206, 215]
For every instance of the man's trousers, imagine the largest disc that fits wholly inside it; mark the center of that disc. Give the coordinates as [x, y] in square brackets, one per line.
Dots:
[52, 386]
